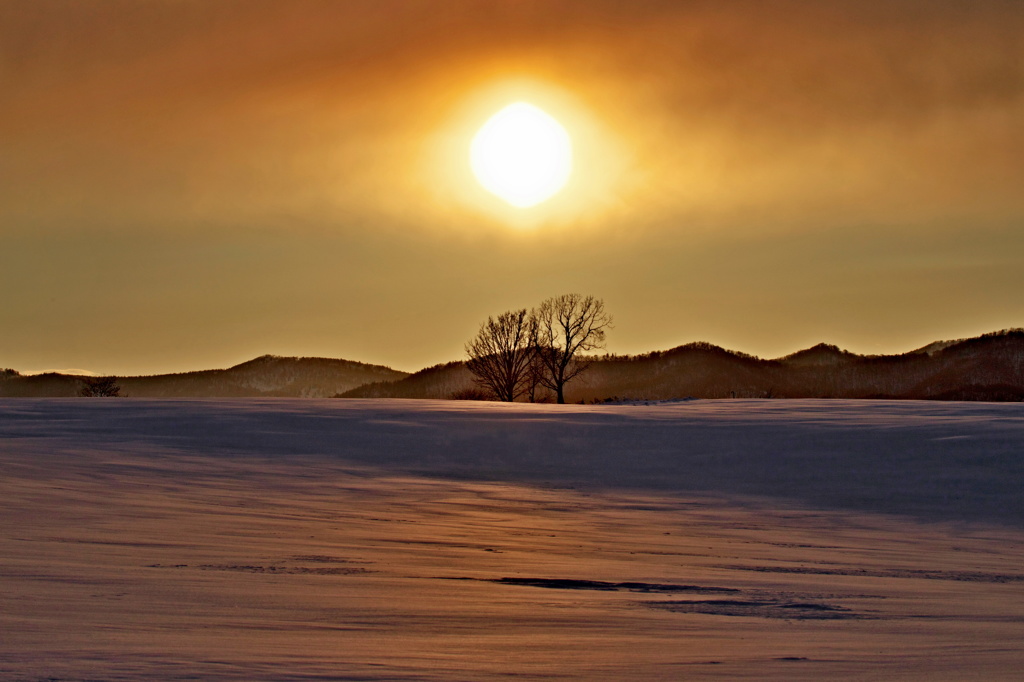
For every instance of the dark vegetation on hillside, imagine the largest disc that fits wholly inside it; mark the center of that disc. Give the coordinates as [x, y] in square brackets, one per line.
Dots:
[990, 367]
[447, 380]
[266, 376]
[100, 387]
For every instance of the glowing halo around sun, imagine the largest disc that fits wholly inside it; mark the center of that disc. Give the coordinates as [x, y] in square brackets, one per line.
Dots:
[522, 155]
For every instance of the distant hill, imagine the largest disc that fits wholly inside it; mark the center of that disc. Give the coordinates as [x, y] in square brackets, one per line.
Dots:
[989, 367]
[822, 354]
[266, 376]
[438, 382]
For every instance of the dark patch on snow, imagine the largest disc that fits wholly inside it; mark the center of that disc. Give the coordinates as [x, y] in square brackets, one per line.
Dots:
[274, 569]
[922, 574]
[602, 586]
[761, 608]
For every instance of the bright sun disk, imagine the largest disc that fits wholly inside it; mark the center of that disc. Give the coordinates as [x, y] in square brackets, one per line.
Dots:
[522, 155]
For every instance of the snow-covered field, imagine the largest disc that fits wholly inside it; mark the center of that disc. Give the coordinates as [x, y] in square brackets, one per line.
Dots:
[421, 540]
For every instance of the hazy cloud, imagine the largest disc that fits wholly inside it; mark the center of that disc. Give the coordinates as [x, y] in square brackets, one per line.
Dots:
[262, 171]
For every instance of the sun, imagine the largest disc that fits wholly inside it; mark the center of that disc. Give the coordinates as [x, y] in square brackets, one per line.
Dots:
[522, 155]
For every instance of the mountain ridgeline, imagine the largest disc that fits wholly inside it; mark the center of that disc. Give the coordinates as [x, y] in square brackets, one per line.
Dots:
[989, 367]
[267, 376]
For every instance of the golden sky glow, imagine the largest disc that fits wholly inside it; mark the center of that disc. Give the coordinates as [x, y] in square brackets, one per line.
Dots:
[216, 179]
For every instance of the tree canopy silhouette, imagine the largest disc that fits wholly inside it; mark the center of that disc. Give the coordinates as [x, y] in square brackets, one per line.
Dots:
[100, 387]
[501, 354]
[566, 326]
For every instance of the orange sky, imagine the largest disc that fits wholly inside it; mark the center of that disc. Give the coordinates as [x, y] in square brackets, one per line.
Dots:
[190, 183]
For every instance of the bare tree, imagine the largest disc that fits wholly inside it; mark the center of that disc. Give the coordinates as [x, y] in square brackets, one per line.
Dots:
[567, 325]
[100, 387]
[501, 353]
[535, 374]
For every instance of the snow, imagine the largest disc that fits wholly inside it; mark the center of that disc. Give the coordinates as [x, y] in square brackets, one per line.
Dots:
[369, 539]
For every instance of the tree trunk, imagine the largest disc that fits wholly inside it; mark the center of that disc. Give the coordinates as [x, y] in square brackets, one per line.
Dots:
[561, 396]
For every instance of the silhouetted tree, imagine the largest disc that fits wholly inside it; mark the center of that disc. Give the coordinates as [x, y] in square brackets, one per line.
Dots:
[501, 353]
[100, 387]
[535, 374]
[565, 326]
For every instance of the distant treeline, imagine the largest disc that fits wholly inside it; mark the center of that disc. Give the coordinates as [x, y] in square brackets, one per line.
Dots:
[989, 367]
[266, 376]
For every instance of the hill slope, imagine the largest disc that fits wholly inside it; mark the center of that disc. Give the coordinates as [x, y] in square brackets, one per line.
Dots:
[989, 367]
[438, 382]
[266, 376]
